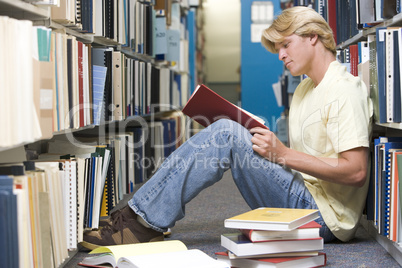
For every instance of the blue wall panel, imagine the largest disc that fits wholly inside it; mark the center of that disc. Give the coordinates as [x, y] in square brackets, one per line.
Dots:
[259, 70]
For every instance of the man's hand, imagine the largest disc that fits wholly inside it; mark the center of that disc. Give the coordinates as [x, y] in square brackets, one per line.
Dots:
[350, 168]
[266, 144]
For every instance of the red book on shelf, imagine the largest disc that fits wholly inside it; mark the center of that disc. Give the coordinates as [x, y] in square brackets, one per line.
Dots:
[206, 107]
[354, 59]
[332, 17]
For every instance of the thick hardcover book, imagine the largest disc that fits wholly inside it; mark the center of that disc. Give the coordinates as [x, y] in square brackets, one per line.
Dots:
[279, 219]
[307, 231]
[206, 107]
[301, 261]
[241, 246]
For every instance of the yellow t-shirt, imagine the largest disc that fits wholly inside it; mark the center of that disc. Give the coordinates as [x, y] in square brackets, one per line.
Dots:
[324, 121]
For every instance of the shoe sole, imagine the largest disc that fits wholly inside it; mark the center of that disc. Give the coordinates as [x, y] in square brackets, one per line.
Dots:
[89, 245]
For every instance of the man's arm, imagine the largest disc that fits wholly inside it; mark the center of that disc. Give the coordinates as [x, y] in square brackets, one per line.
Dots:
[349, 169]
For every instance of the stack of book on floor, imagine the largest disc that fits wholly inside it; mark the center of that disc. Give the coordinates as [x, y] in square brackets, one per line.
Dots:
[273, 237]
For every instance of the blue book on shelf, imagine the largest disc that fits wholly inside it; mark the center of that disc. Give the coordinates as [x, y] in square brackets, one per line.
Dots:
[44, 37]
[192, 44]
[382, 182]
[378, 178]
[91, 186]
[139, 155]
[173, 45]
[125, 22]
[160, 36]
[98, 89]
[8, 224]
[169, 136]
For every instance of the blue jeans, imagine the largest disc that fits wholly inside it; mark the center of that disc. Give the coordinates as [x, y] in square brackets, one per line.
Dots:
[201, 161]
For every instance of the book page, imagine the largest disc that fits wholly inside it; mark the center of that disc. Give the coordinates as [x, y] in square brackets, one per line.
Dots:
[259, 119]
[194, 258]
[142, 248]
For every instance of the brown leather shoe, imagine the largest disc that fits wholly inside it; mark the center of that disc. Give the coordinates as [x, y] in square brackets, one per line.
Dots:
[122, 228]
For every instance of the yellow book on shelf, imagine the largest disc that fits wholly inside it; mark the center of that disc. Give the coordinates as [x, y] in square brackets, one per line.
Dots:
[272, 219]
[104, 206]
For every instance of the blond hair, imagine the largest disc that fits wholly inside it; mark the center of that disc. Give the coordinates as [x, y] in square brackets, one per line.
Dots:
[302, 21]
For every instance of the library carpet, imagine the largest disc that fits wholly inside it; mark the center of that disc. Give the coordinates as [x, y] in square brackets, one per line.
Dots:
[203, 225]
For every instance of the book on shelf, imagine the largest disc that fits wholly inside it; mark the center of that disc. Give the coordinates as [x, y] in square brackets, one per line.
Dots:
[383, 176]
[395, 162]
[240, 245]
[8, 222]
[381, 72]
[172, 253]
[306, 231]
[393, 92]
[279, 219]
[301, 261]
[205, 107]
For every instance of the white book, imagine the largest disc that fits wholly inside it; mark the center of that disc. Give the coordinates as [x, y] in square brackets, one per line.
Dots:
[389, 69]
[98, 16]
[273, 262]
[241, 246]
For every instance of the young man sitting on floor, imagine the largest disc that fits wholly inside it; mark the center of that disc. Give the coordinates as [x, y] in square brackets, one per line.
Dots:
[325, 167]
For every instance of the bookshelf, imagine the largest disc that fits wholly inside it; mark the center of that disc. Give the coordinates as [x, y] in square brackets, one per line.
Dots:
[351, 31]
[150, 79]
[23, 10]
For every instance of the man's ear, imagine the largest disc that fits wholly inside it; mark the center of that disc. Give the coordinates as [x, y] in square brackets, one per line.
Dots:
[313, 38]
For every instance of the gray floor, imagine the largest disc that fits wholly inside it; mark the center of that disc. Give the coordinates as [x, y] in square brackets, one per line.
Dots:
[203, 225]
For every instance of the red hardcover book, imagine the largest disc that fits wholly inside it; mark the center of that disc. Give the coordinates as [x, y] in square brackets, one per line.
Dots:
[302, 261]
[354, 59]
[309, 230]
[205, 106]
[332, 17]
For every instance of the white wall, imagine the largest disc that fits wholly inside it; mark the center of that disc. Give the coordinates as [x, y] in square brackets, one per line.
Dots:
[222, 40]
